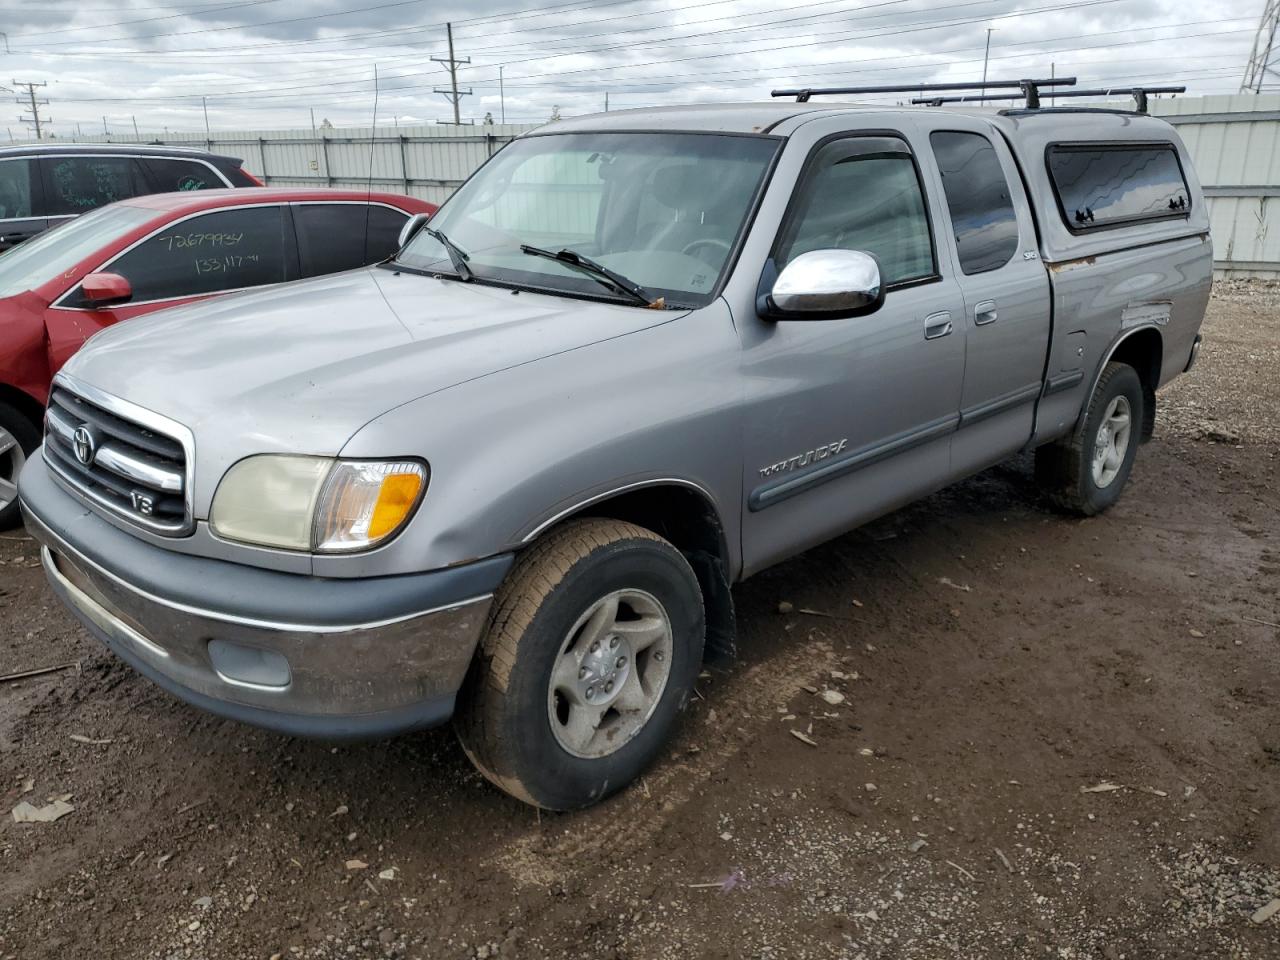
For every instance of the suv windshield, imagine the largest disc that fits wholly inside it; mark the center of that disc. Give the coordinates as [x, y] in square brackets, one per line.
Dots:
[55, 251]
[663, 210]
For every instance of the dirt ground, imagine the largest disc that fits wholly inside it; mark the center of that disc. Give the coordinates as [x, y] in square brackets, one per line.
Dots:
[1058, 739]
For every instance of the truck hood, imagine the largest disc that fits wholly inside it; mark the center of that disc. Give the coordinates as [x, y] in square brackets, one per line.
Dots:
[301, 367]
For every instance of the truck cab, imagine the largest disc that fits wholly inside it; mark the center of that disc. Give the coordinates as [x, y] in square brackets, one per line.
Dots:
[510, 476]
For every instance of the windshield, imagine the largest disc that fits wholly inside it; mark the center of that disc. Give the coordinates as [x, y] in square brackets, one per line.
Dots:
[55, 251]
[662, 209]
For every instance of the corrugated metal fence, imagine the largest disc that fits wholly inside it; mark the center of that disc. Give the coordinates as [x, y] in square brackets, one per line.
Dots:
[427, 162]
[1234, 143]
[1233, 140]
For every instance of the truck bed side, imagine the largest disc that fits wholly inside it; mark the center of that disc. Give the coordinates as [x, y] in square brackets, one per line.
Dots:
[1135, 290]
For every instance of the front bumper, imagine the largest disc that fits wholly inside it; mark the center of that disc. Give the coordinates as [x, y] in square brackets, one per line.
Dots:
[304, 656]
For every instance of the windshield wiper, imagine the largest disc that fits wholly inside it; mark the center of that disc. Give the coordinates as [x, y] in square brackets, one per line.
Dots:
[598, 272]
[457, 256]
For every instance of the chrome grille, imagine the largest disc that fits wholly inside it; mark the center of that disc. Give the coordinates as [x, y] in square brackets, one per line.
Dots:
[117, 462]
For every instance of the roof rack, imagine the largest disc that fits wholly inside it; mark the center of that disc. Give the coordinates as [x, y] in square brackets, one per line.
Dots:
[1026, 88]
[1139, 95]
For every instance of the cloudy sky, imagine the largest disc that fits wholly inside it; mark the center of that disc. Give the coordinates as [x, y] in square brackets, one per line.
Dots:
[268, 63]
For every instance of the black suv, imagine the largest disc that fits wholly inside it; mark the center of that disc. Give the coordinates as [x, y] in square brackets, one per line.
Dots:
[41, 185]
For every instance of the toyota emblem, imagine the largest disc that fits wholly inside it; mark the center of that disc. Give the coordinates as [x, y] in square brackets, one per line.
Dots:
[83, 445]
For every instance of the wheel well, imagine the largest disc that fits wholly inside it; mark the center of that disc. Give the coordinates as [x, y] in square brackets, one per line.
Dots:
[688, 520]
[1144, 351]
[24, 403]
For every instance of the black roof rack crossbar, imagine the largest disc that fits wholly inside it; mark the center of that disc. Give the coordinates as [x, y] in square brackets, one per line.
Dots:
[1026, 88]
[1139, 95]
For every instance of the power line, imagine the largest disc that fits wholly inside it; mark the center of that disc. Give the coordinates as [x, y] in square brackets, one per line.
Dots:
[262, 95]
[124, 23]
[692, 40]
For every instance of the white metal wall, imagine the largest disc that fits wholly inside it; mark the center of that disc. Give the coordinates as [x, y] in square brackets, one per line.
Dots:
[1233, 142]
[427, 161]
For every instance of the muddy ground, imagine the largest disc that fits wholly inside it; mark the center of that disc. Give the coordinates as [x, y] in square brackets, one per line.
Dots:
[998, 662]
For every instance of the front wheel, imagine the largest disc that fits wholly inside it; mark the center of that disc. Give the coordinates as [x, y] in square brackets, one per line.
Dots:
[19, 438]
[592, 649]
[1086, 472]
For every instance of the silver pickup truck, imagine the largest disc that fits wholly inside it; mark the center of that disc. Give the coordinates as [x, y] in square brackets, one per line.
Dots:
[509, 476]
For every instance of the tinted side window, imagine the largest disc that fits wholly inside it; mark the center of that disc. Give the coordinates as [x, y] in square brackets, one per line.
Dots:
[863, 194]
[17, 189]
[978, 200]
[384, 233]
[1103, 185]
[227, 250]
[79, 184]
[168, 176]
[331, 236]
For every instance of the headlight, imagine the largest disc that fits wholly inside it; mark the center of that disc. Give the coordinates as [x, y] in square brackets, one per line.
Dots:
[316, 503]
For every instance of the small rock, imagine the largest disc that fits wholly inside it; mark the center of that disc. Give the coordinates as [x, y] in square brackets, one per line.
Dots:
[1197, 634]
[204, 902]
[1263, 914]
[356, 865]
[832, 697]
[915, 846]
[870, 787]
[786, 606]
[193, 925]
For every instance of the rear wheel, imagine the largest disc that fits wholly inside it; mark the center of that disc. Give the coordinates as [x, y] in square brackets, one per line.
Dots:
[1086, 472]
[18, 440]
[591, 651]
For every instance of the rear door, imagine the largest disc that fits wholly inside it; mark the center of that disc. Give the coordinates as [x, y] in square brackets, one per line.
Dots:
[990, 237]
[77, 183]
[200, 256]
[343, 236]
[21, 201]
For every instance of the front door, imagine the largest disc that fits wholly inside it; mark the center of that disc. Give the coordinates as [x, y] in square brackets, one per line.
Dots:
[990, 235]
[849, 418]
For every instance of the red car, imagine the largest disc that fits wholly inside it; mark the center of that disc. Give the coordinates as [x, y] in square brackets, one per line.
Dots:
[152, 252]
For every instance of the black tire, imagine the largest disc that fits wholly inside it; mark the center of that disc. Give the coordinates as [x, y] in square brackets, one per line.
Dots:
[503, 719]
[1065, 468]
[14, 423]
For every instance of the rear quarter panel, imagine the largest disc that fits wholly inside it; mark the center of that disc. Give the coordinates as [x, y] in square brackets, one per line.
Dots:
[1109, 283]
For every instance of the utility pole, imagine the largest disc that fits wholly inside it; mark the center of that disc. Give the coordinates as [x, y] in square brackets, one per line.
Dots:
[986, 56]
[135, 126]
[33, 107]
[204, 102]
[453, 94]
[606, 101]
[105, 131]
[502, 94]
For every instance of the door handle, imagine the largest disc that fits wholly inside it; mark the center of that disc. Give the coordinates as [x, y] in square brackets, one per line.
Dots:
[937, 325]
[984, 313]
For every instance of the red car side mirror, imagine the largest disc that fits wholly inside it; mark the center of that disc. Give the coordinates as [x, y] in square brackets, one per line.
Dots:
[105, 289]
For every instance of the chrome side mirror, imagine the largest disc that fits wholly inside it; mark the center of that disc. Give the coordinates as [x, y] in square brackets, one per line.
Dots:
[825, 284]
[411, 227]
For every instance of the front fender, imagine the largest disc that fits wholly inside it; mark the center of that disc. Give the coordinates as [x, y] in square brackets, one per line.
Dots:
[513, 452]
